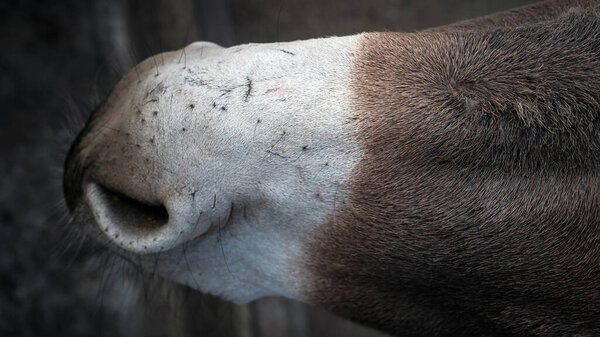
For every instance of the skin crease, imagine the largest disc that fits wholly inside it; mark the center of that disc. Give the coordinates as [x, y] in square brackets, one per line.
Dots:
[435, 183]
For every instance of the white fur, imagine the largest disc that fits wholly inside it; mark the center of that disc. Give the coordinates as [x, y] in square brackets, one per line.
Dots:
[280, 153]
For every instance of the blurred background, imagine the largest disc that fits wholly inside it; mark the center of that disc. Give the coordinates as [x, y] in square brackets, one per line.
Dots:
[60, 58]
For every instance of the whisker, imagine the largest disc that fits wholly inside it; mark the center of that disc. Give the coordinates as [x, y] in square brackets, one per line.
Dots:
[156, 259]
[278, 20]
[187, 263]
[100, 294]
[221, 240]
[155, 65]
[160, 50]
[185, 43]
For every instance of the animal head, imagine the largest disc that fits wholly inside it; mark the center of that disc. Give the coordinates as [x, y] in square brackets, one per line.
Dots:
[440, 182]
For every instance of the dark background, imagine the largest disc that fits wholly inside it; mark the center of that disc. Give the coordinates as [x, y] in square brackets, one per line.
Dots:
[57, 60]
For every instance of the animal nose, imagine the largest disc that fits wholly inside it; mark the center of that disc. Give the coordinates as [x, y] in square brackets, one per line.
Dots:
[140, 225]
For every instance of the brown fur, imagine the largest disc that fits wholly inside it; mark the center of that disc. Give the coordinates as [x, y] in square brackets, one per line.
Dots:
[476, 207]
[534, 13]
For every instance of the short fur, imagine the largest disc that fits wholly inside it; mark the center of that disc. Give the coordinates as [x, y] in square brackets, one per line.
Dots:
[476, 208]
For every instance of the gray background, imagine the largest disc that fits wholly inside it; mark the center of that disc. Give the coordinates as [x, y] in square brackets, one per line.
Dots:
[58, 59]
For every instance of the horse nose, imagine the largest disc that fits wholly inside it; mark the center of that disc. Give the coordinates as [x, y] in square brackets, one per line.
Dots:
[142, 216]
[126, 166]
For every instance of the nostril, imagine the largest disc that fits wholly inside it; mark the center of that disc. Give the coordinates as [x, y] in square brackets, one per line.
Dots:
[132, 214]
[125, 220]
